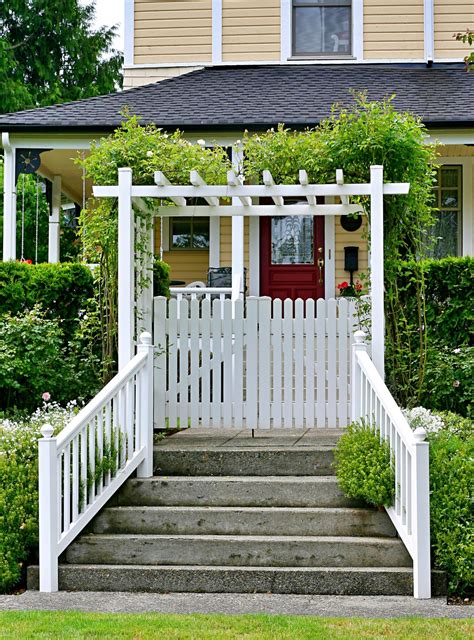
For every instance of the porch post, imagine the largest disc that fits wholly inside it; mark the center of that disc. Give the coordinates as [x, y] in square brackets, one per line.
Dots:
[54, 222]
[9, 200]
[377, 267]
[214, 241]
[126, 271]
[237, 225]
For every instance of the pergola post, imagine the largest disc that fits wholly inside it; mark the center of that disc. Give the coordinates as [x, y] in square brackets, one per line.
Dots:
[377, 267]
[9, 200]
[54, 221]
[237, 225]
[126, 271]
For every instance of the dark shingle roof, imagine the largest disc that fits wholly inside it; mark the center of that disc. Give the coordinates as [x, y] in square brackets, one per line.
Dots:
[256, 96]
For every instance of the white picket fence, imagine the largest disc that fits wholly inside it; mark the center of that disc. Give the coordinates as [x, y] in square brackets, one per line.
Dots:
[256, 363]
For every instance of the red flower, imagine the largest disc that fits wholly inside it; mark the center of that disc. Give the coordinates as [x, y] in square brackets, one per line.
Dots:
[343, 285]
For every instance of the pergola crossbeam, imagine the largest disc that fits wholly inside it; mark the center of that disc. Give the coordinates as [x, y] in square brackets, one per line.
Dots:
[197, 181]
[304, 180]
[233, 180]
[269, 182]
[261, 210]
[162, 181]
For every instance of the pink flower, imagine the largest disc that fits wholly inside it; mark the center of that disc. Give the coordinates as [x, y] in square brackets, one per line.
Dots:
[456, 383]
[46, 396]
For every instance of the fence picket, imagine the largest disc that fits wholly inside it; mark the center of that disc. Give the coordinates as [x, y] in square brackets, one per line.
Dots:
[276, 363]
[264, 342]
[331, 363]
[206, 363]
[288, 363]
[160, 366]
[298, 357]
[238, 364]
[321, 364]
[252, 362]
[216, 363]
[194, 362]
[342, 360]
[227, 363]
[309, 364]
[173, 363]
[183, 343]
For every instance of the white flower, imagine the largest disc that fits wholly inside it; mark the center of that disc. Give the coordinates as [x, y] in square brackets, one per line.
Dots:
[457, 350]
[456, 383]
[421, 417]
[238, 142]
[149, 154]
[201, 142]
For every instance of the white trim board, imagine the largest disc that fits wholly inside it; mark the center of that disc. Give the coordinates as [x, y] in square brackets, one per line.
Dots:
[216, 31]
[129, 32]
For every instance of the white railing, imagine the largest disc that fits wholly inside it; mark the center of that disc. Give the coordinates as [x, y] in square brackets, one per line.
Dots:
[81, 469]
[200, 293]
[256, 363]
[410, 513]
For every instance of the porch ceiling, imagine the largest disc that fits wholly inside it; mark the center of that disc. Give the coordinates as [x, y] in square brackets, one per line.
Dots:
[60, 162]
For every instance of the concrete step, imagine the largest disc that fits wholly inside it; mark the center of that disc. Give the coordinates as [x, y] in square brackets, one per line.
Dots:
[369, 581]
[264, 551]
[172, 459]
[234, 491]
[253, 521]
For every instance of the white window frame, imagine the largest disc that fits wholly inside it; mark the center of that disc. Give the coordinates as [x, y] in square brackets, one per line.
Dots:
[357, 23]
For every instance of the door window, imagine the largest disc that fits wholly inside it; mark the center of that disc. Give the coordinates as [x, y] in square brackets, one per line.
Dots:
[292, 239]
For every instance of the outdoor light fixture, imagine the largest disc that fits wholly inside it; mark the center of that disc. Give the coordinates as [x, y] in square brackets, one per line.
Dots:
[351, 260]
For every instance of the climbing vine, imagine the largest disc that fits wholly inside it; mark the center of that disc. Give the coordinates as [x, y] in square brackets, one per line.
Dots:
[352, 138]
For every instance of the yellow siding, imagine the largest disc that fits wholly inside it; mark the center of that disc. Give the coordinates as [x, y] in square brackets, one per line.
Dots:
[185, 265]
[393, 29]
[226, 243]
[251, 30]
[140, 75]
[452, 16]
[178, 31]
[350, 239]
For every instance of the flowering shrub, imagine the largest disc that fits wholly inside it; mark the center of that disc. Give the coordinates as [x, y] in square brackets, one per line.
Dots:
[19, 487]
[421, 417]
[350, 290]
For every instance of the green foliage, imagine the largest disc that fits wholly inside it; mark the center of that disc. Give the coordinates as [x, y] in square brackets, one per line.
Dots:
[364, 465]
[353, 139]
[467, 38]
[447, 333]
[34, 360]
[161, 278]
[50, 53]
[452, 500]
[61, 290]
[145, 150]
[19, 489]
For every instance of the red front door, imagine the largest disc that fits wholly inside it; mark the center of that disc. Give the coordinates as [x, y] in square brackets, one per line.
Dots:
[292, 257]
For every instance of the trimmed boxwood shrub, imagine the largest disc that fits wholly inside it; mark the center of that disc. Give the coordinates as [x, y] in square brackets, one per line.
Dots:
[363, 465]
[60, 290]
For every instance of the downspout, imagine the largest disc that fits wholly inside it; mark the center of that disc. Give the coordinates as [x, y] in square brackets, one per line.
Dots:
[428, 28]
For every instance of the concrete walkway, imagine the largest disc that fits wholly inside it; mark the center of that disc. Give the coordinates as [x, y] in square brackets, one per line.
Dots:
[272, 604]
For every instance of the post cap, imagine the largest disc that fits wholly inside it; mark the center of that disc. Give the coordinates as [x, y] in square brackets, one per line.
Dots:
[420, 434]
[47, 430]
[359, 337]
[145, 338]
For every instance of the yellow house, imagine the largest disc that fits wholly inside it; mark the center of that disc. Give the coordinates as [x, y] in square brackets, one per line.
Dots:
[214, 68]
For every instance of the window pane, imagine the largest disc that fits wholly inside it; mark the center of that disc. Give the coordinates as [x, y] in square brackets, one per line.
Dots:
[201, 233]
[449, 177]
[445, 232]
[322, 30]
[449, 199]
[292, 240]
[181, 233]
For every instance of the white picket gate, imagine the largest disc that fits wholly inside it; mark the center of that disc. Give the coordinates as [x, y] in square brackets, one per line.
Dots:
[256, 363]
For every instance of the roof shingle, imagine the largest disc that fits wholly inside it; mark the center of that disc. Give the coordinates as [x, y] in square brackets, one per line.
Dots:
[263, 95]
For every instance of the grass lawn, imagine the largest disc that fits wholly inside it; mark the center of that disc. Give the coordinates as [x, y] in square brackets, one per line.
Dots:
[71, 625]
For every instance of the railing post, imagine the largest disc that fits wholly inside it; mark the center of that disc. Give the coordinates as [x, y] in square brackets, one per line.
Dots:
[126, 268]
[357, 346]
[421, 516]
[48, 510]
[145, 418]
[377, 267]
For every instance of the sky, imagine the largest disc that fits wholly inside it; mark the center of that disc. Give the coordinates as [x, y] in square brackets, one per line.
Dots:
[108, 13]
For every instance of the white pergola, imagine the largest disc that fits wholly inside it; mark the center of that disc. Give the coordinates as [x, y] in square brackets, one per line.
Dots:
[244, 202]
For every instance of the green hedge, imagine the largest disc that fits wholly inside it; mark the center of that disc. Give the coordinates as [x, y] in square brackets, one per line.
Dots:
[364, 472]
[161, 278]
[61, 290]
[449, 298]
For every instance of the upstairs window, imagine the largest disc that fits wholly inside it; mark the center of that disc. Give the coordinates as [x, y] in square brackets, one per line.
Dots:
[189, 233]
[322, 27]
